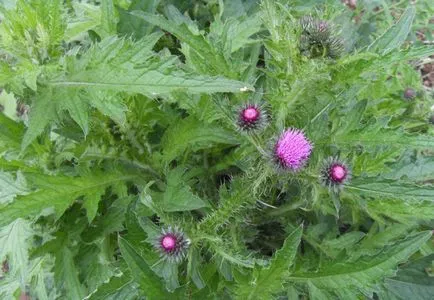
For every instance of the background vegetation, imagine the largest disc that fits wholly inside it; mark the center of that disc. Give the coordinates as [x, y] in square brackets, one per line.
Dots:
[119, 119]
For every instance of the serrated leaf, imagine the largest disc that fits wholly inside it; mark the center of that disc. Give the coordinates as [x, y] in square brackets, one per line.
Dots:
[9, 105]
[11, 134]
[207, 54]
[396, 35]
[109, 105]
[14, 248]
[191, 134]
[417, 169]
[119, 287]
[87, 17]
[142, 273]
[42, 112]
[66, 274]
[40, 272]
[10, 187]
[109, 18]
[269, 280]
[370, 137]
[401, 211]
[78, 108]
[135, 26]
[91, 202]
[111, 221]
[362, 275]
[392, 189]
[412, 281]
[137, 71]
[178, 195]
[95, 264]
[57, 193]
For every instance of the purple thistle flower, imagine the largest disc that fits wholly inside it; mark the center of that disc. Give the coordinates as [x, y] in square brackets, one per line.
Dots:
[172, 244]
[251, 117]
[292, 149]
[334, 173]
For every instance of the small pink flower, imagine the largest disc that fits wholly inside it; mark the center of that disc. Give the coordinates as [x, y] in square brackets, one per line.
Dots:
[334, 173]
[292, 149]
[172, 244]
[251, 117]
[168, 242]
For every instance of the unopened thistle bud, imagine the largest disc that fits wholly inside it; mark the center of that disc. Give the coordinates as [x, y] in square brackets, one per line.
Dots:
[292, 150]
[251, 117]
[409, 94]
[172, 244]
[318, 39]
[334, 174]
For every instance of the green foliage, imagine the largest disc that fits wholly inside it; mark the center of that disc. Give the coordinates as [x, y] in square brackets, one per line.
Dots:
[119, 121]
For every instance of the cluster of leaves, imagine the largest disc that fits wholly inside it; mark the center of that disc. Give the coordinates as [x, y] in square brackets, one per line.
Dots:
[118, 120]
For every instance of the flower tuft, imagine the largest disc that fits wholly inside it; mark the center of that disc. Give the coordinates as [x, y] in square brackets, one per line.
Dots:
[251, 117]
[172, 244]
[334, 174]
[292, 149]
[318, 39]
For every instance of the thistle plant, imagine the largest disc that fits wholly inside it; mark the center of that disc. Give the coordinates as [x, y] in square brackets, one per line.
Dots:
[319, 39]
[214, 150]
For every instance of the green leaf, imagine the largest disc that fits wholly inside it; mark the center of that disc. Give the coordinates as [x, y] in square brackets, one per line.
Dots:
[191, 134]
[87, 18]
[42, 112]
[401, 211]
[134, 26]
[78, 108]
[40, 272]
[268, 280]
[95, 263]
[121, 65]
[237, 32]
[361, 276]
[119, 287]
[14, 247]
[108, 18]
[396, 35]
[415, 169]
[412, 281]
[109, 105]
[11, 187]
[111, 221]
[58, 193]
[11, 134]
[142, 273]
[66, 274]
[371, 137]
[178, 195]
[391, 189]
[9, 105]
[203, 50]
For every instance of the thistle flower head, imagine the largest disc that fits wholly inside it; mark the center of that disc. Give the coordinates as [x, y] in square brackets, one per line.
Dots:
[172, 244]
[409, 94]
[292, 149]
[318, 39]
[334, 173]
[251, 117]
